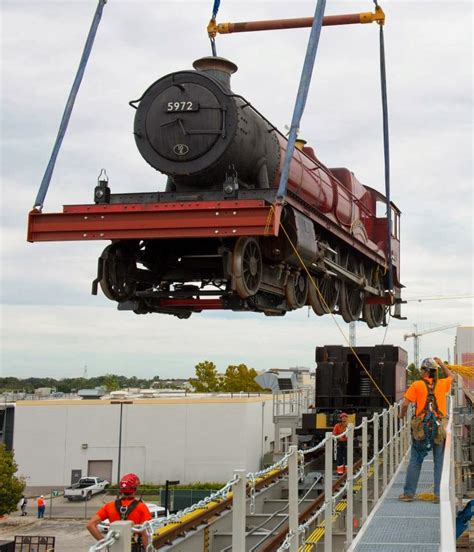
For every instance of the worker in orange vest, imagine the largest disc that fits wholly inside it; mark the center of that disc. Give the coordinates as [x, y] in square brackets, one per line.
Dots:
[339, 428]
[41, 506]
[126, 507]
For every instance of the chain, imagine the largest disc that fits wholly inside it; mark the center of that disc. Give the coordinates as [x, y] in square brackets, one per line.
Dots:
[252, 494]
[111, 538]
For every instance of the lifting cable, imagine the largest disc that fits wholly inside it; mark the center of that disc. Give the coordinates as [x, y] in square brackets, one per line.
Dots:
[69, 107]
[302, 95]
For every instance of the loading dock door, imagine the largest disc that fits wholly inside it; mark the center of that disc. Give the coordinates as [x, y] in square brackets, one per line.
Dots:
[100, 468]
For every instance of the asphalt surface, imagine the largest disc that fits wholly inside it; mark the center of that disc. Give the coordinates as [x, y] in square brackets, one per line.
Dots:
[71, 535]
[62, 519]
[59, 507]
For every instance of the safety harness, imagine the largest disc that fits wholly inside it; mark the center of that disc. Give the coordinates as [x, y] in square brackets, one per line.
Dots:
[430, 414]
[125, 511]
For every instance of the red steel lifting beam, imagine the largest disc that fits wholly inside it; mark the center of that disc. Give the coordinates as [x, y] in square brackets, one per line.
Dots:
[296, 23]
[210, 219]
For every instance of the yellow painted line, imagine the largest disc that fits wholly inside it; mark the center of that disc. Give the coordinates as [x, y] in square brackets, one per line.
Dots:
[341, 506]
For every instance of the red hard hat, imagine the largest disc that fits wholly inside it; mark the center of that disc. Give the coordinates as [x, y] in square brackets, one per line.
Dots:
[343, 415]
[129, 483]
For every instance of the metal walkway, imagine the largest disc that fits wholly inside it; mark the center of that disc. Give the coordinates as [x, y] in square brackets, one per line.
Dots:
[395, 526]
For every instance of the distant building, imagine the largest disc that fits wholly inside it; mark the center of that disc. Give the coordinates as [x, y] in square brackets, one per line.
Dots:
[190, 438]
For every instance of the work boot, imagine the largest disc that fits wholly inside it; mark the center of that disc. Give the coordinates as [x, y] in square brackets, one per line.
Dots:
[435, 499]
[406, 498]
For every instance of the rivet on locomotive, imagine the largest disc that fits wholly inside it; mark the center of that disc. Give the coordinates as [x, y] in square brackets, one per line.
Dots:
[213, 238]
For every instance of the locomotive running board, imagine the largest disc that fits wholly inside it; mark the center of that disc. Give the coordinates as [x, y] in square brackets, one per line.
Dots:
[200, 219]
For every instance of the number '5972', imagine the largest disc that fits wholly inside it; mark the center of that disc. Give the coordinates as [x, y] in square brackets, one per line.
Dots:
[180, 106]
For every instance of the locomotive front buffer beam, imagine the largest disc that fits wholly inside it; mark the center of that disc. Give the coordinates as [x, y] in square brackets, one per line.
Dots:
[228, 218]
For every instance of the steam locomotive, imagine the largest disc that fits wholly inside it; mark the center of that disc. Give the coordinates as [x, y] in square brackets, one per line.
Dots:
[217, 238]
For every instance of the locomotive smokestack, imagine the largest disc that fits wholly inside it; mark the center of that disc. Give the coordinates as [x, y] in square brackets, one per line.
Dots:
[218, 67]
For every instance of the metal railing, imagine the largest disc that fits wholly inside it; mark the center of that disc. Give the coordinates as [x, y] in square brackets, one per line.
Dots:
[393, 449]
[386, 427]
[448, 490]
[292, 402]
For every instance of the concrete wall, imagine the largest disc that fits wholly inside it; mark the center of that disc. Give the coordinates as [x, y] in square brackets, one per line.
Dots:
[186, 439]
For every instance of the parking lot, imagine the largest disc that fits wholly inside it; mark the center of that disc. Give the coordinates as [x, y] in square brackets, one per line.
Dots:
[62, 519]
[71, 535]
[59, 507]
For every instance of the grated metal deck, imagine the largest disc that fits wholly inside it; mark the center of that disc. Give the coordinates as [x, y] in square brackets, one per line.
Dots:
[404, 526]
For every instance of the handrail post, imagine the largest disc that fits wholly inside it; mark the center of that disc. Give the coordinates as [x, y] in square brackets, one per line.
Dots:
[390, 440]
[350, 485]
[384, 451]
[396, 434]
[328, 493]
[364, 470]
[124, 543]
[239, 489]
[376, 457]
[292, 498]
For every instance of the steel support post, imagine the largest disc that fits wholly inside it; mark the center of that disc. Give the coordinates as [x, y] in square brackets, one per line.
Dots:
[328, 493]
[124, 543]
[376, 457]
[384, 445]
[396, 434]
[292, 498]
[390, 439]
[364, 471]
[239, 510]
[350, 485]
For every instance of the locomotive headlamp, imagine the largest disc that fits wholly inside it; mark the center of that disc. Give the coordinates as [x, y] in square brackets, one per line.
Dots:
[102, 190]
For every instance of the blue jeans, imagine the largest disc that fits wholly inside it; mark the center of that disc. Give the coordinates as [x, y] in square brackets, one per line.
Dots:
[414, 468]
[41, 510]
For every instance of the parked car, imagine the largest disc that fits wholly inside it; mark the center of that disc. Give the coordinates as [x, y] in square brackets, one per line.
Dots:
[155, 511]
[85, 488]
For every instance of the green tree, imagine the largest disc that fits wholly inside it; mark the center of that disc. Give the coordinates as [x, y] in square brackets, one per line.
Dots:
[111, 382]
[207, 379]
[413, 373]
[11, 487]
[240, 378]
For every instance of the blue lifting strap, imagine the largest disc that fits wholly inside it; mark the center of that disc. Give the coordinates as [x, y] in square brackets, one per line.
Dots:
[386, 153]
[302, 95]
[69, 106]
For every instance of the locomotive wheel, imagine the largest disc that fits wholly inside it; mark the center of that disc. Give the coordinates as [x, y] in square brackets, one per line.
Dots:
[247, 266]
[328, 287]
[118, 281]
[374, 313]
[296, 290]
[351, 299]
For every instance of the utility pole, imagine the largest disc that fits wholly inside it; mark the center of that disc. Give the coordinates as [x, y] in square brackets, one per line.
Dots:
[352, 334]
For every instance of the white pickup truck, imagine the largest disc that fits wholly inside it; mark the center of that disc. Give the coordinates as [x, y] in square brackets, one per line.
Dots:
[85, 488]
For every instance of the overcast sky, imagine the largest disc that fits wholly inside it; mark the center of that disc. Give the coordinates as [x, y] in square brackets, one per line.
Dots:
[52, 326]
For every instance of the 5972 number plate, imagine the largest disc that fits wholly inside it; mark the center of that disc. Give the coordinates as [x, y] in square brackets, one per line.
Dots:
[181, 106]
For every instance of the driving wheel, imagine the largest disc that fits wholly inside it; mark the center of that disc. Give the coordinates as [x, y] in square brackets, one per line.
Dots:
[324, 296]
[374, 313]
[351, 299]
[296, 290]
[247, 266]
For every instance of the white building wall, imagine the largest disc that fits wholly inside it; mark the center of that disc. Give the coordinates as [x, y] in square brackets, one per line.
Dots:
[186, 439]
